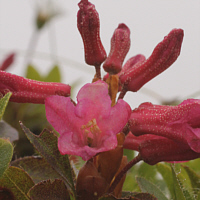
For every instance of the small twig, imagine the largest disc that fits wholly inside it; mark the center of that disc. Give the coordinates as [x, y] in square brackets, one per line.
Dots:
[123, 172]
[122, 94]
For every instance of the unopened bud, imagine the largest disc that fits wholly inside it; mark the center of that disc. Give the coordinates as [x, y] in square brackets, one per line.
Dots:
[7, 62]
[120, 44]
[89, 28]
[30, 91]
[164, 55]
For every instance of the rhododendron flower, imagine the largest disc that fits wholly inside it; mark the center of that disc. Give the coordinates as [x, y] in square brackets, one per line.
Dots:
[90, 126]
[180, 123]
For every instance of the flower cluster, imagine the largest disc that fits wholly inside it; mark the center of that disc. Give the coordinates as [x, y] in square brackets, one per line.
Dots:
[90, 126]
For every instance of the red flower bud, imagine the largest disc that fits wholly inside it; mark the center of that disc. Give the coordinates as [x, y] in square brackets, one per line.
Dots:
[120, 44]
[164, 55]
[7, 62]
[165, 133]
[154, 149]
[30, 91]
[88, 26]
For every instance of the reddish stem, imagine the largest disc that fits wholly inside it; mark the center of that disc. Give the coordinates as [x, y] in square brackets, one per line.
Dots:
[123, 172]
[98, 71]
[122, 94]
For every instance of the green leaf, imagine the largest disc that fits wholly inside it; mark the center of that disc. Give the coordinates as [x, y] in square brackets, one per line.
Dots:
[47, 145]
[180, 191]
[37, 168]
[198, 196]
[33, 74]
[139, 195]
[7, 131]
[54, 75]
[3, 103]
[145, 196]
[6, 152]
[147, 186]
[17, 182]
[194, 178]
[166, 173]
[52, 190]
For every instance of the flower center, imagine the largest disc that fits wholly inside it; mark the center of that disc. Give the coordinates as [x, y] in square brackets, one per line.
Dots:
[91, 132]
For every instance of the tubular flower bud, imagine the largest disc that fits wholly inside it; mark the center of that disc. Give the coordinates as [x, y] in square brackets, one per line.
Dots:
[7, 62]
[164, 55]
[154, 149]
[30, 91]
[177, 126]
[120, 45]
[89, 27]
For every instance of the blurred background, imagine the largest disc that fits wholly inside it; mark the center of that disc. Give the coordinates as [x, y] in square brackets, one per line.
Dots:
[59, 42]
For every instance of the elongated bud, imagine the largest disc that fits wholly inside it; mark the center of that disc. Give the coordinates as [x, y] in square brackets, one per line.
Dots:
[164, 55]
[154, 151]
[89, 26]
[120, 44]
[30, 91]
[7, 62]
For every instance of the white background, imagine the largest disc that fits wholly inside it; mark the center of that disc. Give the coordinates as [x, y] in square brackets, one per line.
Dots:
[148, 20]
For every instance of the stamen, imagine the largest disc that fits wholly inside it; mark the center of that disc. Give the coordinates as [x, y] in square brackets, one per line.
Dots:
[91, 132]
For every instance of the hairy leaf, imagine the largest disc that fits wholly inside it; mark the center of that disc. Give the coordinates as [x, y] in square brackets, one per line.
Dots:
[47, 145]
[37, 168]
[3, 103]
[6, 152]
[147, 186]
[52, 190]
[17, 182]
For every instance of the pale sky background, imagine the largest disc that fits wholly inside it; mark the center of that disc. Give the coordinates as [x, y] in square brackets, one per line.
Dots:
[148, 20]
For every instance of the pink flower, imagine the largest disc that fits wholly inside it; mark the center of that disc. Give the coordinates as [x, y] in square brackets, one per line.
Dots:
[178, 126]
[90, 126]
[30, 91]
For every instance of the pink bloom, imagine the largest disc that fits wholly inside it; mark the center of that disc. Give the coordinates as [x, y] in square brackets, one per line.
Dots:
[30, 91]
[136, 74]
[90, 126]
[120, 45]
[154, 149]
[179, 124]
